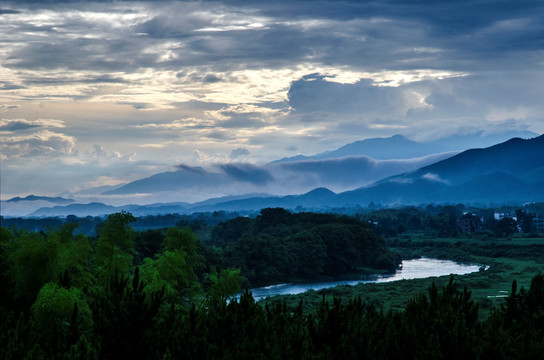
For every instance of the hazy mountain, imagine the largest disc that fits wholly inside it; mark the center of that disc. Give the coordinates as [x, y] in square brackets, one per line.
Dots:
[511, 171]
[217, 200]
[54, 200]
[521, 158]
[81, 210]
[354, 165]
[317, 199]
[100, 209]
[169, 181]
[338, 174]
[480, 139]
[96, 190]
[399, 147]
[395, 147]
[18, 206]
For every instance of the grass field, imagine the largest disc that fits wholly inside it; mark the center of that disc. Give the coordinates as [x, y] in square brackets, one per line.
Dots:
[506, 260]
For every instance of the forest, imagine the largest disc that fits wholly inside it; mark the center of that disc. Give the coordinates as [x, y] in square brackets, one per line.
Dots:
[164, 293]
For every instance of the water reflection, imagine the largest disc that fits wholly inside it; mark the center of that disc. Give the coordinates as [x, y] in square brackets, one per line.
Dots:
[411, 269]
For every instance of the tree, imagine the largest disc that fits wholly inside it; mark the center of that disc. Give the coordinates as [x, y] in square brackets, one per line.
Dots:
[61, 314]
[176, 268]
[505, 227]
[74, 256]
[115, 245]
[6, 281]
[225, 284]
[35, 262]
[525, 220]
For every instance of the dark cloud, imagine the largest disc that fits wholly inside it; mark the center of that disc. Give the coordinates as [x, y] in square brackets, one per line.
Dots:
[137, 106]
[78, 54]
[246, 121]
[314, 94]
[371, 35]
[17, 125]
[9, 12]
[219, 134]
[211, 78]
[193, 169]
[4, 85]
[64, 80]
[247, 173]
[24, 124]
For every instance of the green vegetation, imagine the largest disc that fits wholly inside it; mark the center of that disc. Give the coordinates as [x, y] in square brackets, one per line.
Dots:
[164, 293]
[279, 246]
[415, 232]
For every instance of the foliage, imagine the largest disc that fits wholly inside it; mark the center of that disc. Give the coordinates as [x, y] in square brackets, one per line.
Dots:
[225, 284]
[280, 246]
[175, 268]
[115, 245]
[35, 262]
[179, 305]
[58, 311]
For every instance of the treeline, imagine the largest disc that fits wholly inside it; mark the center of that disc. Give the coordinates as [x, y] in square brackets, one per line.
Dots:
[440, 220]
[200, 222]
[443, 220]
[280, 246]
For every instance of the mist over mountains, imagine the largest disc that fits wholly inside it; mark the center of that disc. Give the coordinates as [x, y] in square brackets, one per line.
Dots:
[294, 176]
[512, 171]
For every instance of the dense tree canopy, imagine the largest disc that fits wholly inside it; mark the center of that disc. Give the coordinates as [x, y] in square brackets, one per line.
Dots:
[279, 246]
[70, 296]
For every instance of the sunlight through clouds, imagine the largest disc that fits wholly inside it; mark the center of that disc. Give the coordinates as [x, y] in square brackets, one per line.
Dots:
[160, 82]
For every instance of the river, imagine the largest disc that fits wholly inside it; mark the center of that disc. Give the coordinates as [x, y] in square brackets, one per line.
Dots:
[411, 269]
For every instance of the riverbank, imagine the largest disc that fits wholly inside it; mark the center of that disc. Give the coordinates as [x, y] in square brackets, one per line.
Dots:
[410, 269]
[508, 260]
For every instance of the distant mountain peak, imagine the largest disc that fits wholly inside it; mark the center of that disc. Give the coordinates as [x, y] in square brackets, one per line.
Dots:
[388, 148]
[320, 191]
[55, 200]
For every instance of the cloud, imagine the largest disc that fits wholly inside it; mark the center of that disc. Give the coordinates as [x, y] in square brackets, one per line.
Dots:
[9, 11]
[193, 169]
[344, 173]
[424, 110]
[314, 94]
[434, 177]
[6, 108]
[101, 155]
[43, 143]
[239, 152]
[23, 124]
[247, 173]
[202, 157]
[165, 78]
[7, 86]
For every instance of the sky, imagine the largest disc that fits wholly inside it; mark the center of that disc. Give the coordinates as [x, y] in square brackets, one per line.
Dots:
[97, 93]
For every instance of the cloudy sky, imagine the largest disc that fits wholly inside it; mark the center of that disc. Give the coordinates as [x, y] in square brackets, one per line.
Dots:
[102, 92]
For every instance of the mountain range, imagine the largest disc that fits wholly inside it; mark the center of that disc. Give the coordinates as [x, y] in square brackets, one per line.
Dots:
[512, 171]
[399, 147]
[394, 147]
